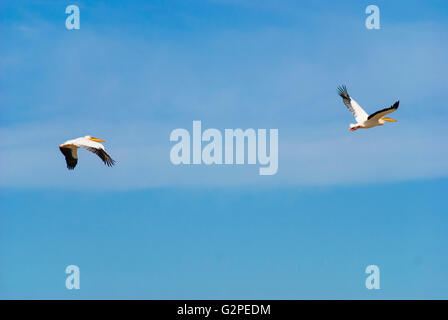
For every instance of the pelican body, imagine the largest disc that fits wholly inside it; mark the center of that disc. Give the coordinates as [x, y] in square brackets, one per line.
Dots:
[365, 121]
[70, 150]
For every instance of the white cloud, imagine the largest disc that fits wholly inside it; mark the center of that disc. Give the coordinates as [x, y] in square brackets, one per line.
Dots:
[319, 155]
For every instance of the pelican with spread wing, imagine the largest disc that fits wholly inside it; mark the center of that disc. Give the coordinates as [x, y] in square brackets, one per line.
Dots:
[70, 150]
[365, 121]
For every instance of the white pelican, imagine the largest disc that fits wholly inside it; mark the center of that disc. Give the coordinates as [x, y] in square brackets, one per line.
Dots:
[70, 150]
[365, 121]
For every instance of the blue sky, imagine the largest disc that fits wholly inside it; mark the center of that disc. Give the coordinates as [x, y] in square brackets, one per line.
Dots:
[136, 70]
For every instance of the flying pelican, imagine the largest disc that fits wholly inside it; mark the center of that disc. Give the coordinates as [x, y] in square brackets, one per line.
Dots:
[365, 121]
[70, 150]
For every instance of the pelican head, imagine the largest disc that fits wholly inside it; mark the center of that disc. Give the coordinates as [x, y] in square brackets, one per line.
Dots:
[94, 139]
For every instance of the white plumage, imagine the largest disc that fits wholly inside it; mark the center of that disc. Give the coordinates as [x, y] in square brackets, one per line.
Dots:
[365, 121]
[70, 150]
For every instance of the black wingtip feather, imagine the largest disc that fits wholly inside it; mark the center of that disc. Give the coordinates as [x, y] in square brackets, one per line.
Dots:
[342, 91]
[108, 161]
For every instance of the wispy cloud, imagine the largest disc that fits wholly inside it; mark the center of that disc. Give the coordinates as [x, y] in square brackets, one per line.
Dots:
[332, 156]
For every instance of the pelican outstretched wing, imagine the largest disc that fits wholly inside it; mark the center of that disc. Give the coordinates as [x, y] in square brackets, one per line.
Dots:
[358, 112]
[101, 152]
[98, 149]
[381, 113]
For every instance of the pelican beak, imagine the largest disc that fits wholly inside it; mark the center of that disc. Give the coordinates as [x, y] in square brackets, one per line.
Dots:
[97, 139]
[389, 119]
